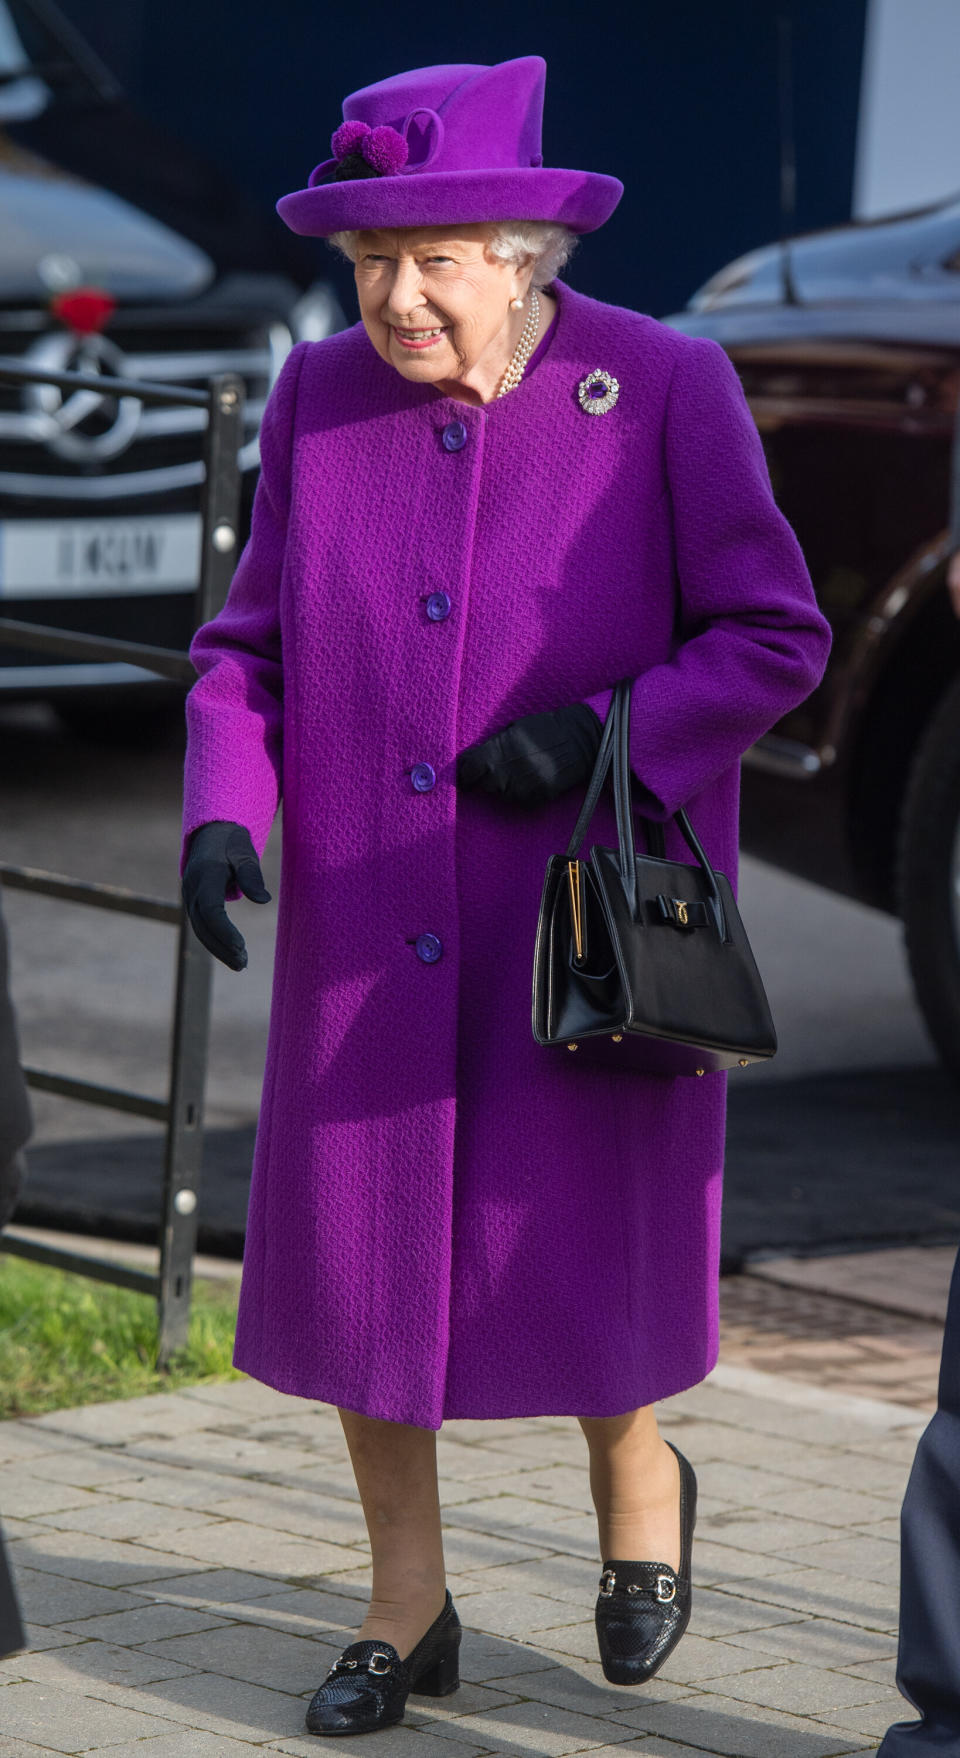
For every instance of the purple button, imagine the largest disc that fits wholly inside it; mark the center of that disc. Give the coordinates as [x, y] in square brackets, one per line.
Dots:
[438, 606]
[424, 777]
[454, 436]
[429, 948]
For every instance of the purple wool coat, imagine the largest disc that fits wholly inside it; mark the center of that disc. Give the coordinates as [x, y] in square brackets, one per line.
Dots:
[447, 1220]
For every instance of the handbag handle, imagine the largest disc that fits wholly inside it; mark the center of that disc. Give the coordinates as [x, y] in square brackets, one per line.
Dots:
[620, 709]
[595, 783]
[615, 748]
[653, 830]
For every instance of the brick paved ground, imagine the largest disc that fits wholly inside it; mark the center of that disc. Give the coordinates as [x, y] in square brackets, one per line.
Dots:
[191, 1564]
[868, 1323]
[827, 1341]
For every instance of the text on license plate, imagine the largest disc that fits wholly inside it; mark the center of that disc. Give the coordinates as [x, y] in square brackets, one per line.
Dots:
[54, 558]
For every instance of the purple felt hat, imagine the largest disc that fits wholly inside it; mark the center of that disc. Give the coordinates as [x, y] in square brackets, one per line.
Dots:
[442, 145]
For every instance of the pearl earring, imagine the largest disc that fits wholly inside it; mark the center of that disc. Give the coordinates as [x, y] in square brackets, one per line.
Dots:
[516, 305]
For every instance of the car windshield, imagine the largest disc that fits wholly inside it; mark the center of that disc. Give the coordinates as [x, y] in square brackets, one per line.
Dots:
[20, 98]
[45, 60]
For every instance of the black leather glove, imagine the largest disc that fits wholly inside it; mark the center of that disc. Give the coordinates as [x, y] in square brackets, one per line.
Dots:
[219, 855]
[537, 758]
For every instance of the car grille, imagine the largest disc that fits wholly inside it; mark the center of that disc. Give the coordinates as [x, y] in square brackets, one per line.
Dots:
[158, 449]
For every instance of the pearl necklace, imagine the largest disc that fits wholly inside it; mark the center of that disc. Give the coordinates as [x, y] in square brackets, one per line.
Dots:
[524, 348]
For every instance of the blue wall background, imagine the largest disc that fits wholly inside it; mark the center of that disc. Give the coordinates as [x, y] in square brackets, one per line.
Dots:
[678, 99]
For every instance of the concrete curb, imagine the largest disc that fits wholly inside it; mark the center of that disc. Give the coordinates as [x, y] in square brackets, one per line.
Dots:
[872, 1412]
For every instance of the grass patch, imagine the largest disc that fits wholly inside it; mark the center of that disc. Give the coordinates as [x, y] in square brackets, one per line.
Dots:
[66, 1340]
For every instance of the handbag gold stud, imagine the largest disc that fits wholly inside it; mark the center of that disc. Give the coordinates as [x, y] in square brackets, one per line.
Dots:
[701, 1071]
[744, 1062]
[573, 1046]
[617, 1037]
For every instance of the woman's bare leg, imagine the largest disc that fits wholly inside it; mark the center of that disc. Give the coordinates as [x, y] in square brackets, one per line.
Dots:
[635, 1484]
[395, 1466]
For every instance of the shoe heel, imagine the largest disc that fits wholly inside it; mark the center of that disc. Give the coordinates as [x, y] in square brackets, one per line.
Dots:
[441, 1679]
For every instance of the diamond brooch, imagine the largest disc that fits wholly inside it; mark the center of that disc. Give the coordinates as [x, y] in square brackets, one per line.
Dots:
[598, 392]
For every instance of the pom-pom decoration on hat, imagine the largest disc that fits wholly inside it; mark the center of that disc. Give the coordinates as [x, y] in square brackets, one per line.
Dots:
[385, 151]
[346, 139]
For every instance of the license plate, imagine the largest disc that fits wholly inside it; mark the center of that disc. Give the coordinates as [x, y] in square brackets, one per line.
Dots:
[98, 558]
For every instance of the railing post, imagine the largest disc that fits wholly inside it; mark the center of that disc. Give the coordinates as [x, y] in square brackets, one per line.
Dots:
[221, 493]
[191, 1025]
[184, 1148]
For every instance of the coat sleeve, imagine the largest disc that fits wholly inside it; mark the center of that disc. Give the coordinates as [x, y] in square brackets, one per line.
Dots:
[234, 763]
[751, 643]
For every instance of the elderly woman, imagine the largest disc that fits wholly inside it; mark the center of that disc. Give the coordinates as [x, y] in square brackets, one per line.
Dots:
[478, 508]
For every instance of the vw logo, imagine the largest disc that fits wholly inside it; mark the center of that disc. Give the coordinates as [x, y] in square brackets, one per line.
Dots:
[85, 426]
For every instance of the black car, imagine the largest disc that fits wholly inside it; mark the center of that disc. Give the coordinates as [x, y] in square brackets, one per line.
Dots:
[847, 343]
[99, 498]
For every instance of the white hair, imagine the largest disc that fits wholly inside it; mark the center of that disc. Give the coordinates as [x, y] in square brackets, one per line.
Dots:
[549, 244]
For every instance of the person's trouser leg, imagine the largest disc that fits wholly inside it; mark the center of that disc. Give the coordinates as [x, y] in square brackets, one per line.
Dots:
[928, 1664]
[12, 1637]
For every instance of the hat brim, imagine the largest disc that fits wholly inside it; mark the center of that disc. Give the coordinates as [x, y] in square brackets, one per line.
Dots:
[582, 200]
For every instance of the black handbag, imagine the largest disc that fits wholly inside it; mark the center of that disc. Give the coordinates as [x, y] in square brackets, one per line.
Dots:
[642, 962]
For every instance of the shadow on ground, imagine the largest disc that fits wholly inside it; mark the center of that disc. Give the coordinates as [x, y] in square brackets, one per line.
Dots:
[864, 1158]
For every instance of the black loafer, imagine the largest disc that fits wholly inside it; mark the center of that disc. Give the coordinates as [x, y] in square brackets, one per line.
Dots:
[367, 1687]
[644, 1608]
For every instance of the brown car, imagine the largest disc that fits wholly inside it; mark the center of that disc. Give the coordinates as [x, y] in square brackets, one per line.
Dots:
[847, 343]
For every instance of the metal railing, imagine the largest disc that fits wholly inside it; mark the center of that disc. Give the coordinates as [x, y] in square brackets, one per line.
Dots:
[182, 1111]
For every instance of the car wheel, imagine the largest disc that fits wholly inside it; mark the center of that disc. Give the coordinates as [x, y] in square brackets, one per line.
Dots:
[929, 877]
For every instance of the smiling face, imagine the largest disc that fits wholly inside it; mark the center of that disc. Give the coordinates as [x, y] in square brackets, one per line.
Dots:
[436, 305]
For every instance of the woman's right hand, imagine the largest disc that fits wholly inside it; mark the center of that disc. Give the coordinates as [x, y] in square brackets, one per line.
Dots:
[220, 855]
